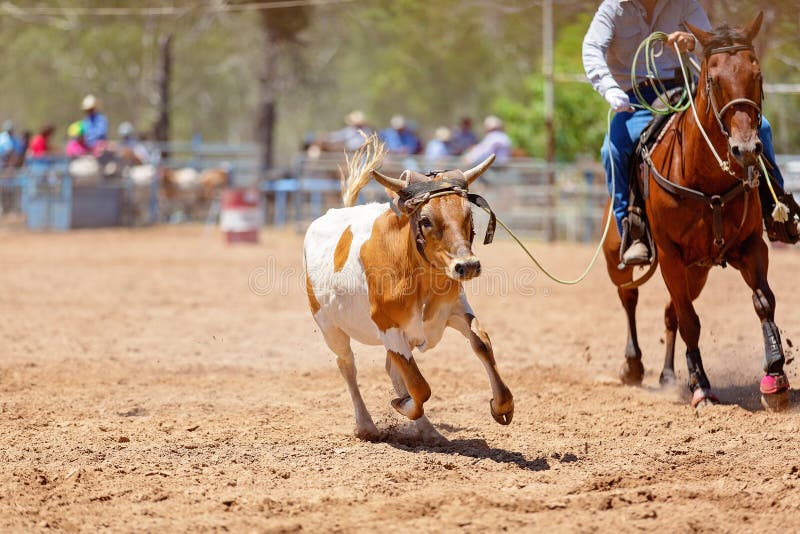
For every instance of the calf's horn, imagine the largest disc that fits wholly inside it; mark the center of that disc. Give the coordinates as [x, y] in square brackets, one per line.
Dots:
[473, 174]
[393, 184]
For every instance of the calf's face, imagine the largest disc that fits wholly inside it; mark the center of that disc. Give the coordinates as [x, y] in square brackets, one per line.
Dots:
[442, 226]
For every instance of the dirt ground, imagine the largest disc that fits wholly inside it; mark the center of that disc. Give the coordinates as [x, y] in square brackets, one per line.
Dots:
[159, 380]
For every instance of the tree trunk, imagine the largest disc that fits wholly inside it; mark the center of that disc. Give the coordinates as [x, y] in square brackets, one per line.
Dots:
[161, 127]
[267, 108]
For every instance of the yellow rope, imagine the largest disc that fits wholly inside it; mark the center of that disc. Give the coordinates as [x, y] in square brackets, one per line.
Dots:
[585, 273]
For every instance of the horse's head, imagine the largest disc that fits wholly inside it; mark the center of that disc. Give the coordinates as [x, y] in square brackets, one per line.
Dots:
[440, 216]
[733, 86]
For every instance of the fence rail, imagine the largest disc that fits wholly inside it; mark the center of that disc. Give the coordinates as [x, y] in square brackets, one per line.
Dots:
[46, 196]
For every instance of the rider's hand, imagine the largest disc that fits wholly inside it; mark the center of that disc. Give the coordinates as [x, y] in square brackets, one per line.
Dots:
[684, 40]
[618, 99]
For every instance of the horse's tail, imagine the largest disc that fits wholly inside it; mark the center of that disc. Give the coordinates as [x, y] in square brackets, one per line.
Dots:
[358, 168]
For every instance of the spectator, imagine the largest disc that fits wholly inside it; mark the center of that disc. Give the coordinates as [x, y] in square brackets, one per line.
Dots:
[40, 144]
[9, 144]
[496, 141]
[463, 138]
[130, 147]
[17, 157]
[400, 139]
[76, 146]
[348, 137]
[437, 148]
[95, 125]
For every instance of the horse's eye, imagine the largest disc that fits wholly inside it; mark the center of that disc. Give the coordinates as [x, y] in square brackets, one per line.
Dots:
[425, 222]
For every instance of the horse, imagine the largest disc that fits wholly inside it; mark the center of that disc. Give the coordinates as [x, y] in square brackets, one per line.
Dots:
[704, 212]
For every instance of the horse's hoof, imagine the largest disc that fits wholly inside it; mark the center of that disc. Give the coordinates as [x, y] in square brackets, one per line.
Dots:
[408, 407]
[667, 378]
[502, 418]
[777, 402]
[703, 398]
[775, 392]
[632, 372]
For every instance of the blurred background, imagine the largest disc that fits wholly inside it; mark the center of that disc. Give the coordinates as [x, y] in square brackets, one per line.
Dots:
[257, 88]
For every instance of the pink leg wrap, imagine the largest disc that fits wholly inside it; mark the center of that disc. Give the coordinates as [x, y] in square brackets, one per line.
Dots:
[771, 384]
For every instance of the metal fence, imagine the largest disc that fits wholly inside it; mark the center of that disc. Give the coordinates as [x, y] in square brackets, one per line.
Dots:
[44, 195]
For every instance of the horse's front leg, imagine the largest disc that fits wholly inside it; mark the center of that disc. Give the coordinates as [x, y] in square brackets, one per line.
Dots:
[753, 265]
[667, 377]
[462, 319]
[684, 286]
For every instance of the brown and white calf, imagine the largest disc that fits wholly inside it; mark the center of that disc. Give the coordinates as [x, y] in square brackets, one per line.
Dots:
[393, 277]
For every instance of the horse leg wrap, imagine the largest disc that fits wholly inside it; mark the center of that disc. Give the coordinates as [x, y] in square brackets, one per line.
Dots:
[697, 375]
[773, 348]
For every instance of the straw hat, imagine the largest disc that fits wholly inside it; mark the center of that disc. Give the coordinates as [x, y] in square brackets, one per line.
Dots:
[89, 102]
[398, 122]
[492, 122]
[355, 118]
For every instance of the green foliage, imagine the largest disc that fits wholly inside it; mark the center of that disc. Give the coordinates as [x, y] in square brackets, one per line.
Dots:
[579, 120]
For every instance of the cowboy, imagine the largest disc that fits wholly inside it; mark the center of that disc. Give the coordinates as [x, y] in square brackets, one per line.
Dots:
[609, 47]
[95, 125]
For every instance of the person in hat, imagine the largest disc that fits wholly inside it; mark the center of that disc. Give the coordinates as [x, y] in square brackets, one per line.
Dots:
[349, 137]
[438, 148]
[95, 125]
[496, 141]
[399, 138]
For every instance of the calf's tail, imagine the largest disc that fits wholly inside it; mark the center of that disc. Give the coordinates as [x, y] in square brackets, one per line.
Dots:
[358, 168]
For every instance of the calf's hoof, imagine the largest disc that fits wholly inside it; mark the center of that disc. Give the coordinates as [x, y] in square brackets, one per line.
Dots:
[632, 372]
[367, 432]
[667, 378]
[775, 393]
[703, 398]
[408, 407]
[503, 416]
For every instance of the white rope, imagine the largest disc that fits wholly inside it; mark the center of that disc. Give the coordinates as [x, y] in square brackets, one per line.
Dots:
[724, 165]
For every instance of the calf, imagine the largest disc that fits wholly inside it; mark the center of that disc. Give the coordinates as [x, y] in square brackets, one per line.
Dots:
[391, 274]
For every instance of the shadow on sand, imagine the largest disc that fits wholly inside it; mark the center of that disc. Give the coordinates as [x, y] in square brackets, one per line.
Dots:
[405, 440]
[748, 396]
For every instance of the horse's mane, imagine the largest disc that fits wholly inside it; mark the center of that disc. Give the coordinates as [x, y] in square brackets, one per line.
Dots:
[725, 35]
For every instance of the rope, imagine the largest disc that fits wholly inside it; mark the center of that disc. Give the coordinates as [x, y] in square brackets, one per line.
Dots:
[654, 78]
[781, 211]
[585, 272]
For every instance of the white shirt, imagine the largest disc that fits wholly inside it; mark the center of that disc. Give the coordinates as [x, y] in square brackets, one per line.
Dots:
[617, 30]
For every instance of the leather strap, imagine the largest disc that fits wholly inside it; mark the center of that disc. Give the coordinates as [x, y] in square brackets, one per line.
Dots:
[715, 202]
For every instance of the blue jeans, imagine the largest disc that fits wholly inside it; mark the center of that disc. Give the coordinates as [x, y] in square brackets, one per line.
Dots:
[625, 131]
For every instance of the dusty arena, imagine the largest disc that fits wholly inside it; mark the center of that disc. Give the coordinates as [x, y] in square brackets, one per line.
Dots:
[160, 380]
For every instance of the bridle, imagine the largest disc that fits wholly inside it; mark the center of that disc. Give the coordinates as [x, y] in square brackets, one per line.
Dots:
[415, 195]
[745, 184]
[719, 113]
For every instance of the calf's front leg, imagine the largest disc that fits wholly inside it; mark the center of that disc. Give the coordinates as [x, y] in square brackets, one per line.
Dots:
[502, 403]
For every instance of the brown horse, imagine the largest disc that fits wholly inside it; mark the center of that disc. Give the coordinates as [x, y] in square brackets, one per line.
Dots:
[702, 214]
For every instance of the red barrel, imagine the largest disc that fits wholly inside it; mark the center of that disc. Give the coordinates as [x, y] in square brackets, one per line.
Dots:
[241, 215]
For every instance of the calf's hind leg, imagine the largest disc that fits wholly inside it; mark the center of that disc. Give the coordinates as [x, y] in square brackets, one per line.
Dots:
[339, 343]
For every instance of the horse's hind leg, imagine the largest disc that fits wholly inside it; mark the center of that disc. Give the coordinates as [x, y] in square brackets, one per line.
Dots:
[667, 377]
[632, 371]
[339, 342]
